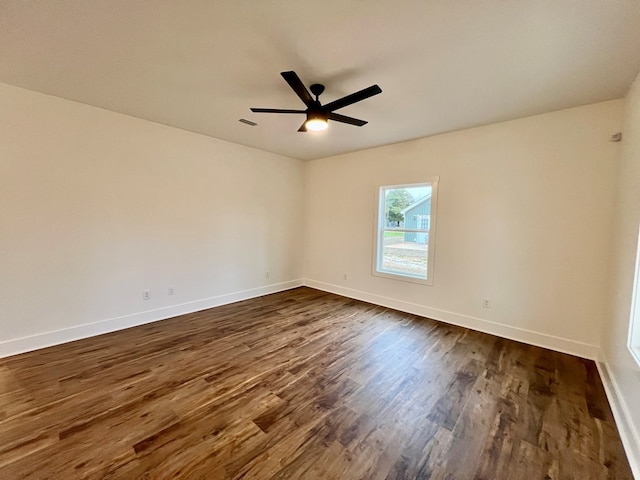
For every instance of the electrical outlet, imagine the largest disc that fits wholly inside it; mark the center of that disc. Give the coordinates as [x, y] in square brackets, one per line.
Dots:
[146, 295]
[486, 303]
[171, 291]
[267, 274]
[345, 276]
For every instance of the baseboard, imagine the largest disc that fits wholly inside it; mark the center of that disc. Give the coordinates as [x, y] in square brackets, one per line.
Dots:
[48, 339]
[564, 345]
[622, 414]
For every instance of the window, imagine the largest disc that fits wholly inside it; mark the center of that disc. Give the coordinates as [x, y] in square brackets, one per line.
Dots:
[634, 321]
[405, 231]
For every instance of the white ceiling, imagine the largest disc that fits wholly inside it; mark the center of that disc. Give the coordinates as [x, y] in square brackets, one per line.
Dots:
[443, 65]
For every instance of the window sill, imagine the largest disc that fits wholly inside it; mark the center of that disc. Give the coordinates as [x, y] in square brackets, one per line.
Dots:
[403, 278]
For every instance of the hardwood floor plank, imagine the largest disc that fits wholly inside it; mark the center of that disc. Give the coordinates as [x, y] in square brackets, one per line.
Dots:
[304, 385]
[504, 438]
[472, 429]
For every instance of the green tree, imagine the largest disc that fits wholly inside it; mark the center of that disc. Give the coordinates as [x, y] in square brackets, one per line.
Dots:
[395, 202]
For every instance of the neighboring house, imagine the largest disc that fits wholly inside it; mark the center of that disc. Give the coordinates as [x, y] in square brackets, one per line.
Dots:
[418, 216]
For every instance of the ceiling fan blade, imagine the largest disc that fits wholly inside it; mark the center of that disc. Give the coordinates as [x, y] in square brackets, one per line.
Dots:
[276, 110]
[303, 127]
[344, 119]
[353, 98]
[296, 84]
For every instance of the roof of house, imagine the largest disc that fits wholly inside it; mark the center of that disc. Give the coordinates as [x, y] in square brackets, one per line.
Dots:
[415, 204]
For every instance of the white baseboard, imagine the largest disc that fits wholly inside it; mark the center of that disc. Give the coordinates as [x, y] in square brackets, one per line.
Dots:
[48, 339]
[622, 413]
[530, 337]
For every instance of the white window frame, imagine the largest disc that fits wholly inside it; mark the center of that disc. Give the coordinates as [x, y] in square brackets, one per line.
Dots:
[379, 229]
[634, 317]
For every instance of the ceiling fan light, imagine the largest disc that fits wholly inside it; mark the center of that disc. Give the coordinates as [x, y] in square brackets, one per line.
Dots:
[316, 124]
[316, 121]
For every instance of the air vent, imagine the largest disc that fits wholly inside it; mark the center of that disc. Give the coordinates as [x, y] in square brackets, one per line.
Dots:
[248, 122]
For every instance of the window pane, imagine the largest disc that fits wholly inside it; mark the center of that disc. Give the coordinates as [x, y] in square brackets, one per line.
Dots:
[405, 253]
[407, 206]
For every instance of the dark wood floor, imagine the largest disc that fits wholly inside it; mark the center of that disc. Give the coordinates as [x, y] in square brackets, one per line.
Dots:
[304, 384]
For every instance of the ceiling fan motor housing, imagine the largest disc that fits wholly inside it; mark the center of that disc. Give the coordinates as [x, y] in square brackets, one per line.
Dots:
[318, 114]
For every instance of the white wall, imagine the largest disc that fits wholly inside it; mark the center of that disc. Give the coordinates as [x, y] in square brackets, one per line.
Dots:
[96, 207]
[524, 215]
[624, 373]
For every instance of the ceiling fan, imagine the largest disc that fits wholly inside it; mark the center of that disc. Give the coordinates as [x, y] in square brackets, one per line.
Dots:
[318, 114]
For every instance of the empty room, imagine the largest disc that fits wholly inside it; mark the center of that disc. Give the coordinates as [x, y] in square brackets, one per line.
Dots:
[320, 240]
